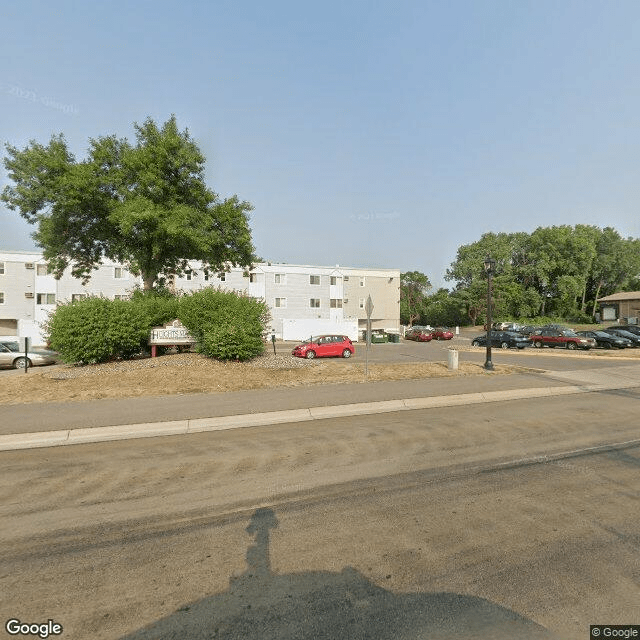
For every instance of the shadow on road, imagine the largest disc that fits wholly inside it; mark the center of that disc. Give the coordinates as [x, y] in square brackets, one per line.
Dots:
[336, 606]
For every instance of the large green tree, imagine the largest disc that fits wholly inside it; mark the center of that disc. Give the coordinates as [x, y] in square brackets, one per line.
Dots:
[144, 204]
[414, 286]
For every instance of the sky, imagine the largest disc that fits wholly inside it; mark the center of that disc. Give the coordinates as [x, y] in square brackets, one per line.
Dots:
[364, 133]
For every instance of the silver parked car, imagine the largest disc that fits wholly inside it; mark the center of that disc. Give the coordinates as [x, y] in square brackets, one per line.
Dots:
[11, 356]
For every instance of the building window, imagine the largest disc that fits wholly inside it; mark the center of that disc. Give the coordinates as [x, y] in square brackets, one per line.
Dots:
[1, 297]
[75, 297]
[45, 298]
[334, 280]
[188, 275]
[1, 268]
[314, 280]
[42, 270]
[280, 303]
[346, 278]
[362, 281]
[206, 277]
[336, 303]
[314, 303]
[253, 277]
[118, 272]
[361, 303]
[280, 278]
[222, 277]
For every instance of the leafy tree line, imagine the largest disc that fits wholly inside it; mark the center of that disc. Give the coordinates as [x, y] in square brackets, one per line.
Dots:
[557, 272]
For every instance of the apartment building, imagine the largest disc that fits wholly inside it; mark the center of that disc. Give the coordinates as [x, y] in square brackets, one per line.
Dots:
[303, 299]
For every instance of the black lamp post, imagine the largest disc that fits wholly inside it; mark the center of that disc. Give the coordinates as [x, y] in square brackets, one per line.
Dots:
[490, 269]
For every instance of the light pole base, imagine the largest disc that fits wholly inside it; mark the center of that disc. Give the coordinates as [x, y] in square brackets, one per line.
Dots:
[488, 365]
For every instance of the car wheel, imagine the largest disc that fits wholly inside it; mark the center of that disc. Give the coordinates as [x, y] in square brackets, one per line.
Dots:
[346, 353]
[504, 345]
[475, 343]
[310, 355]
[571, 345]
[18, 363]
[537, 344]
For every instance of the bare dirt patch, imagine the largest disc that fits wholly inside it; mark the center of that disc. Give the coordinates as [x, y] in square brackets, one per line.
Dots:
[194, 373]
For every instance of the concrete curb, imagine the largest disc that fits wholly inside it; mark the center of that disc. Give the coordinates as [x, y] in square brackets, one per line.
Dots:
[62, 437]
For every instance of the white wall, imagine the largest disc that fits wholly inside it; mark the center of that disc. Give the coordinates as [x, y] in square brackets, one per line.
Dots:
[304, 329]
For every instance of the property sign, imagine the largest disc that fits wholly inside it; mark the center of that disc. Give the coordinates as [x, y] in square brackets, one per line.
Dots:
[172, 333]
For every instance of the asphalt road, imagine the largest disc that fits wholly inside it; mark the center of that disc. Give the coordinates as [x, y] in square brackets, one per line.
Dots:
[505, 521]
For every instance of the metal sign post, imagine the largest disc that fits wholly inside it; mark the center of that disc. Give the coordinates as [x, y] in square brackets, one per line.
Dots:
[26, 354]
[369, 309]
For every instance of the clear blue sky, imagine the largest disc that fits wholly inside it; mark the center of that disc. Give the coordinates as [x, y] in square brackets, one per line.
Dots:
[381, 134]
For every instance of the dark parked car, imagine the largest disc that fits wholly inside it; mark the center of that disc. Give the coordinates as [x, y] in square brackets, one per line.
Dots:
[631, 328]
[606, 340]
[624, 334]
[561, 338]
[503, 339]
[419, 335]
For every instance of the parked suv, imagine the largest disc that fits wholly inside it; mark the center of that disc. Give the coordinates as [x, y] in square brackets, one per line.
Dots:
[561, 338]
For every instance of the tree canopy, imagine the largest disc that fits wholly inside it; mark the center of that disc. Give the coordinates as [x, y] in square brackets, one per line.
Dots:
[555, 272]
[144, 204]
[559, 270]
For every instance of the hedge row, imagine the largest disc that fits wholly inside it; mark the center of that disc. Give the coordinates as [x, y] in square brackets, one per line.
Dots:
[226, 325]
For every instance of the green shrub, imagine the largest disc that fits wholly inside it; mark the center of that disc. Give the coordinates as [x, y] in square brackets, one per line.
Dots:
[229, 342]
[578, 317]
[96, 330]
[226, 324]
[158, 307]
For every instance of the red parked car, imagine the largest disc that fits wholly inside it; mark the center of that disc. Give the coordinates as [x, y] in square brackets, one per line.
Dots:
[325, 347]
[561, 338]
[418, 335]
[441, 334]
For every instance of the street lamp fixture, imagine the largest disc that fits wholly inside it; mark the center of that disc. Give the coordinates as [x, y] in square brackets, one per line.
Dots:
[490, 269]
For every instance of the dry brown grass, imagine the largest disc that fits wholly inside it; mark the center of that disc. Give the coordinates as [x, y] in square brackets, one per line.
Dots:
[193, 373]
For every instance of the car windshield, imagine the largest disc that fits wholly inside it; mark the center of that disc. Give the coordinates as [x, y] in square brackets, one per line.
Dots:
[569, 333]
[12, 346]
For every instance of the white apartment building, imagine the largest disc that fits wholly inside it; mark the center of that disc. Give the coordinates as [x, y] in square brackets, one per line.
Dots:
[303, 299]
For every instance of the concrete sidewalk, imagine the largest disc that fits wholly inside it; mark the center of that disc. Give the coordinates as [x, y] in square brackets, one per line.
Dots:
[41, 425]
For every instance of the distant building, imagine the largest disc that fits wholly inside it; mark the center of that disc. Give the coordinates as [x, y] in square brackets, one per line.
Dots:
[621, 306]
[303, 299]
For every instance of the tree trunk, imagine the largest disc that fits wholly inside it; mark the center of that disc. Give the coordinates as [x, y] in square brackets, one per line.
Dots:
[148, 280]
[595, 299]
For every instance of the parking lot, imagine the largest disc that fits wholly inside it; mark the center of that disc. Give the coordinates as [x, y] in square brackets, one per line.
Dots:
[437, 351]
